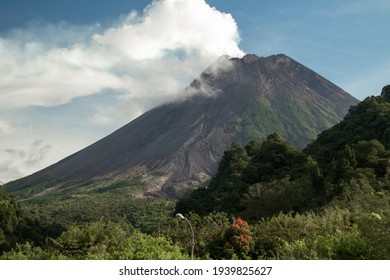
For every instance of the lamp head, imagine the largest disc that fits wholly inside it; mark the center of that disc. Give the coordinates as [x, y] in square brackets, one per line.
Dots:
[178, 215]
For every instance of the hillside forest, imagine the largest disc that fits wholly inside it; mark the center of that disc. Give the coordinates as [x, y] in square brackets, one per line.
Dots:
[268, 200]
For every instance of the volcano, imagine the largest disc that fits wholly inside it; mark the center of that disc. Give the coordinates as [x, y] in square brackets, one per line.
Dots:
[177, 146]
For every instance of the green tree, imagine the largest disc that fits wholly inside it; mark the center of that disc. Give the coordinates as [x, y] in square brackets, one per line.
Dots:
[96, 240]
[373, 155]
[140, 246]
[10, 216]
[299, 230]
[346, 164]
[28, 251]
[368, 120]
[338, 246]
[225, 189]
[15, 226]
[283, 195]
[274, 164]
[386, 92]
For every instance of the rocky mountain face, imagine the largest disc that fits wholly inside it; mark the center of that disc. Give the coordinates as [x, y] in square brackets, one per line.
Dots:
[177, 146]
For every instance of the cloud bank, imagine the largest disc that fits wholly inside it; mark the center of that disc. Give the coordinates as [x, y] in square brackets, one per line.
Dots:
[147, 57]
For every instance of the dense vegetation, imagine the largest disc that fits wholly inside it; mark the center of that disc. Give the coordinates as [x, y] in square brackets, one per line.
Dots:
[259, 180]
[268, 200]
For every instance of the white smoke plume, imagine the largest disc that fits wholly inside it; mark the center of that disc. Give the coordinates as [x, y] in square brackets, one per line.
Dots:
[149, 56]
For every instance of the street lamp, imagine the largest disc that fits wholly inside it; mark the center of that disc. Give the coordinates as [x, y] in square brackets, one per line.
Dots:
[178, 215]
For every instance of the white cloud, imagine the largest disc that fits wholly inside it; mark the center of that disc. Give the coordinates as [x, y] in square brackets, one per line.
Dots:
[148, 55]
[145, 59]
[189, 25]
[5, 127]
[15, 163]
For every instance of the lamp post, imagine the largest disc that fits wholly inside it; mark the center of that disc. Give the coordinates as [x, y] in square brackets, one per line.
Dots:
[178, 215]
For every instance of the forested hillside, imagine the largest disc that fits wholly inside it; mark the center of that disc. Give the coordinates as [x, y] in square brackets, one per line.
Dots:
[268, 200]
[275, 175]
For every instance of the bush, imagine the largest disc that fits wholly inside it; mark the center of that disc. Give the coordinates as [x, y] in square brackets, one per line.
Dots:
[141, 246]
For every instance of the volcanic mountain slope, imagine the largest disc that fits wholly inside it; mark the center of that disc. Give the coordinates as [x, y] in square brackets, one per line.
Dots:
[178, 145]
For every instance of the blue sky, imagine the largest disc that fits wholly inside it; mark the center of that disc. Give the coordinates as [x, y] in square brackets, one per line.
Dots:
[74, 71]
